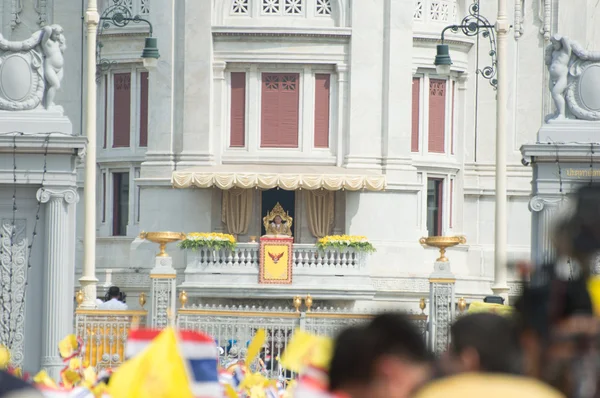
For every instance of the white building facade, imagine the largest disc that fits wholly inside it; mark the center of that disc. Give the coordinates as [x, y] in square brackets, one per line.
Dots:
[268, 94]
[363, 100]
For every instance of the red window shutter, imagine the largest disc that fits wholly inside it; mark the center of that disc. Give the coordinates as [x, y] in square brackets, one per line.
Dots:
[121, 110]
[144, 109]
[238, 110]
[322, 95]
[105, 110]
[279, 110]
[453, 111]
[437, 115]
[416, 105]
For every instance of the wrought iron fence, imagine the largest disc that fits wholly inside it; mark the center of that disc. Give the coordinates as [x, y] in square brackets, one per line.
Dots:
[104, 334]
[233, 327]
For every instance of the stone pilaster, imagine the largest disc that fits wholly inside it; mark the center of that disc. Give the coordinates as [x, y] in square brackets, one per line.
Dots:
[342, 129]
[164, 292]
[544, 211]
[441, 306]
[57, 318]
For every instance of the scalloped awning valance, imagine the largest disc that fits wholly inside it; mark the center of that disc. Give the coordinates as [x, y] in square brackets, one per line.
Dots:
[290, 178]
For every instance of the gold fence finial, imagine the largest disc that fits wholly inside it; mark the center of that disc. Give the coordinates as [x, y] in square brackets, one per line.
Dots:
[297, 303]
[309, 302]
[422, 305]
[142, 299]
[79, 297]
[183, 298]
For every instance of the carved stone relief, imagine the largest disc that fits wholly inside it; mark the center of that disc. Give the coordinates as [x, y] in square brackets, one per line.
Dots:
[574, 80]
[15, 13]
[31, 71]
[13, 276]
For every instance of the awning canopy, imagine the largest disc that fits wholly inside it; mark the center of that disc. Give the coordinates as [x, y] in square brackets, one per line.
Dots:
[273, 176]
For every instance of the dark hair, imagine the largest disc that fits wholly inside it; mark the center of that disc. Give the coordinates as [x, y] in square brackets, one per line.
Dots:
[494, 339]
[357, 349]
[114, 291]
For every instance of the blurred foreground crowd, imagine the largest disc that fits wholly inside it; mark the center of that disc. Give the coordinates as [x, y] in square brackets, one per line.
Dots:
[547, 346]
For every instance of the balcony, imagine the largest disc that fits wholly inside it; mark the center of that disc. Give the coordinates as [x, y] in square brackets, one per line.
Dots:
[330, 274]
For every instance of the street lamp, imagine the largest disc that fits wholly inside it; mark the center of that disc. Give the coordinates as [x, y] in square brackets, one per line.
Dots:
[472, 25]
[119, 15]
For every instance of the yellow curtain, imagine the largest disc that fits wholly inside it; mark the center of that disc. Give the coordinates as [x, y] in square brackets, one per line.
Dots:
[237, 210]
[320, 209]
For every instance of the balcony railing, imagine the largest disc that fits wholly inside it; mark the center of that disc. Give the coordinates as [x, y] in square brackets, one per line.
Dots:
[436, 11]
[233, 327]
[104, 334]
[331, 273]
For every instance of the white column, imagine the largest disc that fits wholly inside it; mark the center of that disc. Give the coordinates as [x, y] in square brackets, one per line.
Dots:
[500, 286]
[88, 279]
[442, 283]
[342, 113]
[59, 264]
[544, 211]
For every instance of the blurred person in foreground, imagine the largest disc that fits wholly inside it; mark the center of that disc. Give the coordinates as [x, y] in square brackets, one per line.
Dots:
[386, 358]
[13, 387]
[483, 342]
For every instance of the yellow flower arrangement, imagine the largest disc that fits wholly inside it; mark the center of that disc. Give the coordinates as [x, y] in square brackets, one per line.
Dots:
[356, 242]
[212, 240]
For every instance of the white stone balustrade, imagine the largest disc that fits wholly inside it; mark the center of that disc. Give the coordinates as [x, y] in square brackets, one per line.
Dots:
[333, 273]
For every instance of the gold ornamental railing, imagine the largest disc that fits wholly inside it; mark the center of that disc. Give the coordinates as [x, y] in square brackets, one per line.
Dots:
[104, 334]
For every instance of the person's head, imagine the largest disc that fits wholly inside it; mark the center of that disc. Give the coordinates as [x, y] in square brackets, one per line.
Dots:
[483, 343]
[385, 358]
[558, 334]
[277, 220]
[114, 292]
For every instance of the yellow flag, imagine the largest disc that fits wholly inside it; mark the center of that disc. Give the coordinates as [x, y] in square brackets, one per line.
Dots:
[499, 309]
[4, 357]
[67, 346]
[230, 392]
[157, 372]
[593, 286]
[254, 348]
[307, 349]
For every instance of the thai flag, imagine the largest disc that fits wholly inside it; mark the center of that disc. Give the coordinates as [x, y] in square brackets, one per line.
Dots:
[138, 340]
[201, 355]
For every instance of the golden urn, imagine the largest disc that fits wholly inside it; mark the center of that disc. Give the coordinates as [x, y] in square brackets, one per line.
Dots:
[162, 238]
[462, 305]
[297, 303]
[183, 298]
[442, 243]
[79, 297]
[309, 302]
[422, 305]
[142, 299]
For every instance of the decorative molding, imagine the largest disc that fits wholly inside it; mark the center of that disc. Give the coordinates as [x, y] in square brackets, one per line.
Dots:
[41, 7]
[69, 195]
[13, 277]
[416, 285]
[251, 31]
[545, 18]
[519, 18]
[15, 13]
[537, 203]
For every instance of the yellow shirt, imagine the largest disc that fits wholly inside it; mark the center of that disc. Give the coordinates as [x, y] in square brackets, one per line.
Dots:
[478, 385]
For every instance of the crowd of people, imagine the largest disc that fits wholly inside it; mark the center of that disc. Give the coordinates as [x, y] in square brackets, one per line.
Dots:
[547, 346]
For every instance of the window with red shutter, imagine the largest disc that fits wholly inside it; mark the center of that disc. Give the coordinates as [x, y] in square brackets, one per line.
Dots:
[279, 110]
[237, 136]
[437, 115]
[121, 110]
[144, 109]
[416, 105]
[322, 95]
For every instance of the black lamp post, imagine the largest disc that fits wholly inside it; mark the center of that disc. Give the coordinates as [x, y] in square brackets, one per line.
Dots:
[119, 15]
[472, 25]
